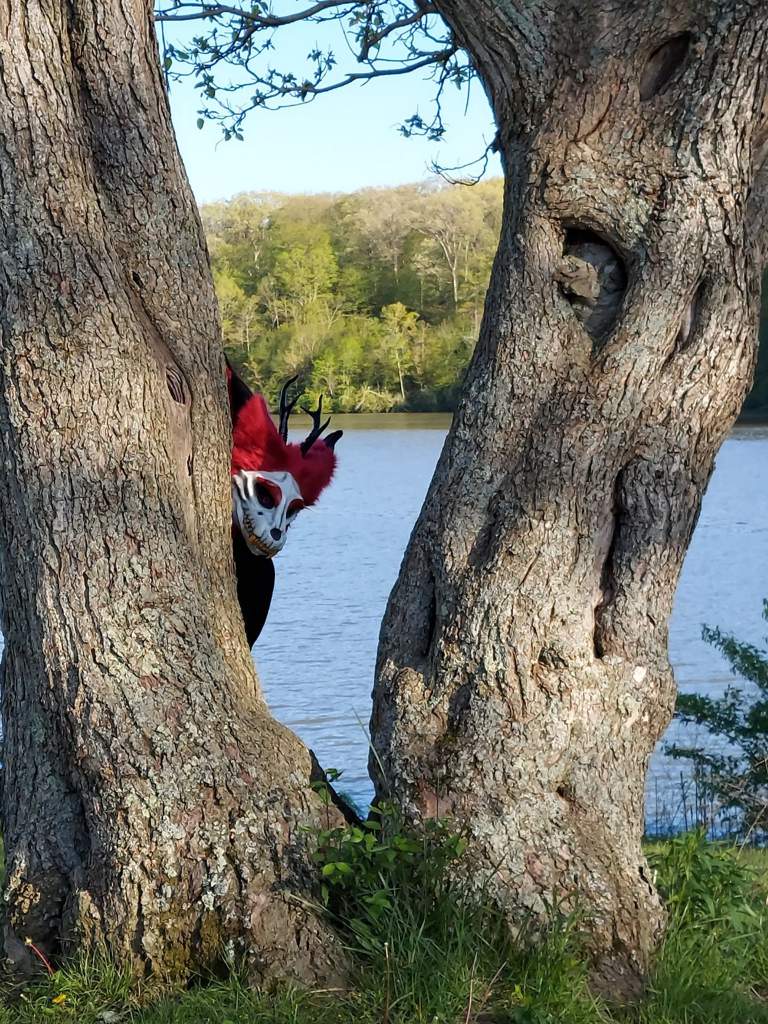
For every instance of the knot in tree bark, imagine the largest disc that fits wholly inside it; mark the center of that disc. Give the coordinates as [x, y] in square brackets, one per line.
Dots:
[593, 280]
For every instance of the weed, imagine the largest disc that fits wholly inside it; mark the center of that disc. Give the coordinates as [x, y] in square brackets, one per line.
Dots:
[425, 954]
[713, 961]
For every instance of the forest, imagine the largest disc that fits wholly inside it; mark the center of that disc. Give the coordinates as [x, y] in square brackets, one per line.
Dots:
[373, 298]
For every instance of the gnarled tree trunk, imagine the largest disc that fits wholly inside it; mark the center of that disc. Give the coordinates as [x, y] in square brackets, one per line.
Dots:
[151, 804]
[523, 678]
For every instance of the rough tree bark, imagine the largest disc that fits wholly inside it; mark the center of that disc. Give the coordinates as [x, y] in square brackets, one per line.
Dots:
[523, 679]
[151, 804]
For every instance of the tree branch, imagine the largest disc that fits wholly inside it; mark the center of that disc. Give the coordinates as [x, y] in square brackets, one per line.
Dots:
[204, 12]
[403, 69]
[306, 92]
[390, 37]
[374, 40]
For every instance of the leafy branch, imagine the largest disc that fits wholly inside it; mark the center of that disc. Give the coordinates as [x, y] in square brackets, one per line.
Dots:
[733, 769]
[230, 55]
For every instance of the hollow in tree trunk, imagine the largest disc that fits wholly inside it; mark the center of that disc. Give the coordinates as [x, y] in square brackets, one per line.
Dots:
[151, 804]
[523, 678]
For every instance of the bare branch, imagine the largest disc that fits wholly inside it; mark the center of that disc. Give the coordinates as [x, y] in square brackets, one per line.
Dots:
[403, 69]
[466, 179]
[383, 33]
[204, 12]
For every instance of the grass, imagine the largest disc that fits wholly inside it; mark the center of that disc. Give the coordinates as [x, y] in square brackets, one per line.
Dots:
[425, 956]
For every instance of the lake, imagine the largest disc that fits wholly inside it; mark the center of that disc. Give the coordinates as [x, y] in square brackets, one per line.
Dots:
[317, 652]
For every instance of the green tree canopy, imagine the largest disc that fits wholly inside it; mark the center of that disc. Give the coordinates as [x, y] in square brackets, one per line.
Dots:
[373, 298]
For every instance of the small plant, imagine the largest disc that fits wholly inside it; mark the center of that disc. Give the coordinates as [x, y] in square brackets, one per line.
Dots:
[426, 949]
[734, 771]
[369, 870]
[705, 883]
[712, 965]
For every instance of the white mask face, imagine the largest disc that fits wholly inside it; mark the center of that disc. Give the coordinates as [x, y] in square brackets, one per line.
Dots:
[263, 506]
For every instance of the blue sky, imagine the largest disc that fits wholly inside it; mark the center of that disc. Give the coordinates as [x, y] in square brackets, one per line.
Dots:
[340, 142]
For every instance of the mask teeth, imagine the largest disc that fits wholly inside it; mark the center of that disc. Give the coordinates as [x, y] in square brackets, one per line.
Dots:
[253, 539]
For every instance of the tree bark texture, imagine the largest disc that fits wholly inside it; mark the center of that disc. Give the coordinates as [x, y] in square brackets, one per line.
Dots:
[151, 803]
[523, 678]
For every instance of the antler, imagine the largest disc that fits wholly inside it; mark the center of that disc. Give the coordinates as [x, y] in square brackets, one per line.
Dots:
[317, 426]
[286, 408]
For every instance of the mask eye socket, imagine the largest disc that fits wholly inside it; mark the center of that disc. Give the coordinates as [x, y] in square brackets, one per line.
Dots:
[295, 507]
[264, 496]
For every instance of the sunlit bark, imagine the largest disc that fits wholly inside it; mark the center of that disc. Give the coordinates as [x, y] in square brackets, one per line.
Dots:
[151, 804]
[523, 678]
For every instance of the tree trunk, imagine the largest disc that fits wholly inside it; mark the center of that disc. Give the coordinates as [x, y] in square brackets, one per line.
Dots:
[523, 678]
[400, 376]
[455, 283]
[151, 804]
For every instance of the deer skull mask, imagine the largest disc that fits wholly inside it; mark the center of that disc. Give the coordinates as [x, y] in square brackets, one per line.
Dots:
[264, 505]
[272, 478]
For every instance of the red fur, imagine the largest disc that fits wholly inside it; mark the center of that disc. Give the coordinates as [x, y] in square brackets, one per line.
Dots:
[257, 445]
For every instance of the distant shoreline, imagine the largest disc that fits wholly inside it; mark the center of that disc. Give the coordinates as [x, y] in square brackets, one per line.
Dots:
[437, 420]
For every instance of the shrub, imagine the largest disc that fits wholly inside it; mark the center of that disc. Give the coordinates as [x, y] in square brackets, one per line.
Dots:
[733, 770]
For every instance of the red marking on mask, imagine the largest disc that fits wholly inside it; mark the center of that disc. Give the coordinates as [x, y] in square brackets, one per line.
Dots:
[273, 493]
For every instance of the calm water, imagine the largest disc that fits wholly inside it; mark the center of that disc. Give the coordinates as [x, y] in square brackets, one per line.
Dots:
[317, 651]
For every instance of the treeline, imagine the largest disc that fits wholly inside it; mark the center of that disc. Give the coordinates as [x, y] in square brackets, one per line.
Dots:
[374, 298]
